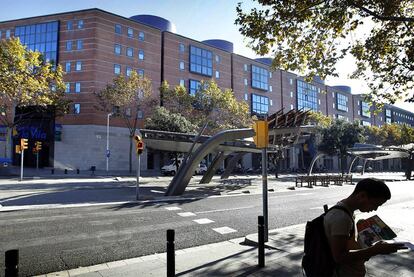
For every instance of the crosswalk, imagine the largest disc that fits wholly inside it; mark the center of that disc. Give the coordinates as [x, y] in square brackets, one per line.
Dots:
[222, 230]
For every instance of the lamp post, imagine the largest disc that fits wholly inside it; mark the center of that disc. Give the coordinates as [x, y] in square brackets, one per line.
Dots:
[107, 142]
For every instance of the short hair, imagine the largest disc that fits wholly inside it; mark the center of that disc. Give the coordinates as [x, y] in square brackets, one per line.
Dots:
[374, 188]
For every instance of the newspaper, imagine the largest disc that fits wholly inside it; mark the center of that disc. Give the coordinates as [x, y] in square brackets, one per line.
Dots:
[373, 229]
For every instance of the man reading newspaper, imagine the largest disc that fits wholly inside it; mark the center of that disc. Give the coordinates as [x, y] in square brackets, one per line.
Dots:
[349, 255]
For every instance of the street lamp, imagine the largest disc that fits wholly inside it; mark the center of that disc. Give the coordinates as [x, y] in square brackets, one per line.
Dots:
[107, 142]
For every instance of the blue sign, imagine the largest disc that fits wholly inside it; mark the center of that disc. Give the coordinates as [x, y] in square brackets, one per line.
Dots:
[31, 132]
[108, 153]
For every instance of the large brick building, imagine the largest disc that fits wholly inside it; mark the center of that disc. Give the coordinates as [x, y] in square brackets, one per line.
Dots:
[93, 46]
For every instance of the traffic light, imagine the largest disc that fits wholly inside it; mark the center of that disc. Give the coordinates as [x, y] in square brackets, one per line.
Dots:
[261, 138]
[18, 151]
[139, 144]
[38, 146]
[24, 144]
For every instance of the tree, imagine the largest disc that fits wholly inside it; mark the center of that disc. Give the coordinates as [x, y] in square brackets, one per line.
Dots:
[124, 98]
[27, 80]
[337, 138]
[312, 36]
[164, 120]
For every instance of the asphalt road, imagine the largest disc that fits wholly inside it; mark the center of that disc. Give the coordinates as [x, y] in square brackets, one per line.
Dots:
[56, 239]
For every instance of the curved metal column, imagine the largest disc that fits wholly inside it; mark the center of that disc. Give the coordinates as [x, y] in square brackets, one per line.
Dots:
[363, 168]
[218, 159]
[317, 156]
[231, 165]
[352, 163]
[185, 172]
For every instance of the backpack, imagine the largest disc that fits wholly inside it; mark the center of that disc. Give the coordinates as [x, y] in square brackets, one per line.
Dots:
[318, 260]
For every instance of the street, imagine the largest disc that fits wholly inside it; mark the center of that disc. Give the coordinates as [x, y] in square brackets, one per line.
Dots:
[56, 239]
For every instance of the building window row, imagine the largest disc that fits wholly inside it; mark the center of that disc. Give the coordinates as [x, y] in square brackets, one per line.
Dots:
[69, 24]
[307, 96]
[342, 102]
[128, 70]
[201, 61]
[68, 66]
[76, 108]
[79, 45]
[130, 32]
[365, 109]
[129, 51]
[260, 104]
[260, 77]
[194, 86]
[77, 87]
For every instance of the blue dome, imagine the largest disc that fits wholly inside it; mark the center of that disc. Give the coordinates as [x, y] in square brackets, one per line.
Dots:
[221, 44]
[155, 21]
[343, 88]
[267, 61]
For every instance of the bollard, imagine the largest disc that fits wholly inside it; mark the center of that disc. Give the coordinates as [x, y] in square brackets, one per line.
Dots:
[53, 171]
[77, 171]
[66, 171]
[325, 208]
[170, 254]
[12, 263]
[260, 236]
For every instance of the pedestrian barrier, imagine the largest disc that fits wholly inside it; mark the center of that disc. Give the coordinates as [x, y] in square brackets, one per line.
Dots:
[12, 263]
[170, 253]
[323, 180]
[237, 181]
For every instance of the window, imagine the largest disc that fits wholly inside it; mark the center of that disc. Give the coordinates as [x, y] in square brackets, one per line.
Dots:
[141, 72]
[7, 34]
[245, 82]
[141, 36]
[69, 25]
[291, 81]
[388, 120]
[200, 61]
[140, 114]
[270, 75]
[181, 48]
[342, 102]
[194, 86]
[140, 54]
[217, 59]
[118, 29]
[117, 69]
[76, 108]
[291, 94]
[80, 24]
[291, 106]
[307, 96]
[182, 83]
[77, 87]
[130, 33]
[0, 34]
[341, 117]
[365, 109]
[270, 88]
[365, 123]
[260, 104]
[246, 68]
[128, 112]
[246, 97]
[128, 71]
[130, 52]
[181, 65]
[271, 102]
[67, 67]
[387, 112]
[217, 75]
[260, 77]
[67, 87]
[117, 49]
[69, 45]
[78, 66]
[79, 44]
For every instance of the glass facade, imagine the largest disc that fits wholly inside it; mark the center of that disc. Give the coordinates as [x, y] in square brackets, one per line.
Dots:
[260, 77]
[42, 37]
[365, 109]
[201, 61]
[260, 104]
[307, 95]
[194, 86]
[342, 102]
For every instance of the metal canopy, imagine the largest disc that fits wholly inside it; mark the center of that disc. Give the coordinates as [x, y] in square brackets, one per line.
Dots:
[378, 152]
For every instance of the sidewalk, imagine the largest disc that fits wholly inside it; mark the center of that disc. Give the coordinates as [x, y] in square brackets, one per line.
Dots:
[237, 258]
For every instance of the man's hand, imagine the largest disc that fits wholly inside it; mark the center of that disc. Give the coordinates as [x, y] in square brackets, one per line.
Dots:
[382, 247]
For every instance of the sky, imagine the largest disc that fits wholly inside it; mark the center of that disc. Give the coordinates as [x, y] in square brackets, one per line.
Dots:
[196, 19]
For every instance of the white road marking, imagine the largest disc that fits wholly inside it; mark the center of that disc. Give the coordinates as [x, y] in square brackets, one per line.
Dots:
[173, 208]
[316, 208]
[203, 221]
[225, 210]
[186, 214]
[157, 191]
[224, 230]
[292, 195]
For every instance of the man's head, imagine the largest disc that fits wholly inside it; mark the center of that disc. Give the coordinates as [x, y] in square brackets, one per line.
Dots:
[370, 194]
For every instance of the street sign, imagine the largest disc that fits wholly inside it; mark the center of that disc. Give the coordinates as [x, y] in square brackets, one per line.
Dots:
[108, 153]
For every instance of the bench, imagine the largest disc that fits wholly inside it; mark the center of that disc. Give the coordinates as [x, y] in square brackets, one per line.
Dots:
[236, 181]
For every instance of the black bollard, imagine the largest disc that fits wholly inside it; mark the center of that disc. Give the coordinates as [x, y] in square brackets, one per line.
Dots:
[12, 263]
[53, 171]
[261, 241]
[170, 254]
[66, 171]
[77, 171]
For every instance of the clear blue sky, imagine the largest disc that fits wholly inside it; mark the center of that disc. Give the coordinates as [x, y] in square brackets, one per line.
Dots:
[196, 19]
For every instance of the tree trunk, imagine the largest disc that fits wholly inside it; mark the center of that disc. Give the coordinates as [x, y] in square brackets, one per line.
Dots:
[130, 153]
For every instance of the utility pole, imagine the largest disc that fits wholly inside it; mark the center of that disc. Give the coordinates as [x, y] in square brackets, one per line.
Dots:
[24, 144]
[139, 147]
[107, 154]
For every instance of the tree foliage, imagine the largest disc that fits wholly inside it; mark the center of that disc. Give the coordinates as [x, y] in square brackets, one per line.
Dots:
[27, 80]
[390, 134]
[310, 37]
[165, 120]
[124, 98]
[210, 104]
